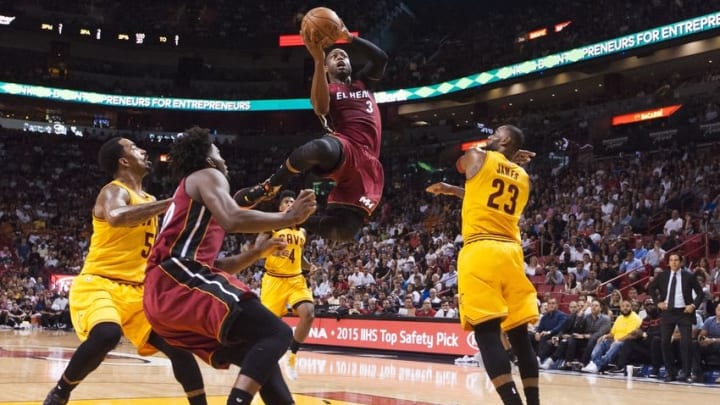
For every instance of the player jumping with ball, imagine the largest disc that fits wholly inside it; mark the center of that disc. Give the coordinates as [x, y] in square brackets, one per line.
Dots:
[348, 153]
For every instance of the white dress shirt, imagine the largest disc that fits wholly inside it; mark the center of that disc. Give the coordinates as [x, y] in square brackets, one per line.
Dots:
[679, 299]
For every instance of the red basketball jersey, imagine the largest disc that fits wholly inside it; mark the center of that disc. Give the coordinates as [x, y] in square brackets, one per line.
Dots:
[355, 115]
[188, 232]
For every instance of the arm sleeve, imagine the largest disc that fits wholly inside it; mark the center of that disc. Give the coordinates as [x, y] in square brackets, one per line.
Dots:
[377, 60]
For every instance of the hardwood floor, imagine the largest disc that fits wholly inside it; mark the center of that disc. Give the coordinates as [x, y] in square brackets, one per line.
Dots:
[31, 361]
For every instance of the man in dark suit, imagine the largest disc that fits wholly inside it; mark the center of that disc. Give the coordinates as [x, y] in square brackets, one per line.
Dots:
[672, 290]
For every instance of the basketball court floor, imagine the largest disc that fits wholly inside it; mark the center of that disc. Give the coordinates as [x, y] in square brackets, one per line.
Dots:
[31, 361]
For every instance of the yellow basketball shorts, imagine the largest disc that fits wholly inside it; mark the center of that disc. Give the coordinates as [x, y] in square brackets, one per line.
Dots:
[277, 293]
[95, 299]
[492, 284]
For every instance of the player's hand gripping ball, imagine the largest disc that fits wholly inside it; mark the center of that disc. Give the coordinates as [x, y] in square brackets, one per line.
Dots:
[322, 26]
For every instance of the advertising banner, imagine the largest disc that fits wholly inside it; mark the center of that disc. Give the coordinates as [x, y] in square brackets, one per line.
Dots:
[61, 282]
[396, 335]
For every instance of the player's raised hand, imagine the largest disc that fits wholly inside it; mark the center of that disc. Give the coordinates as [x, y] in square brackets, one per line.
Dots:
[307, 34]
[316, 42]
[313, 45]
[305, 205]
[523, 156]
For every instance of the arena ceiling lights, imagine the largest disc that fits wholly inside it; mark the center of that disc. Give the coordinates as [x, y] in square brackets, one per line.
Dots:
[625, 43]
[6, 20]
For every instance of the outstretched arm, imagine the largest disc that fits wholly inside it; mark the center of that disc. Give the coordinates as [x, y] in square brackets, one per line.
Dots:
[211, 188]
[113, 206]
[262, 247]
[523, 156]
[446, 189]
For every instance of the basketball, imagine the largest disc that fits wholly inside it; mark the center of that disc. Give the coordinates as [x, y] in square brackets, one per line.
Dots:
[322, 23]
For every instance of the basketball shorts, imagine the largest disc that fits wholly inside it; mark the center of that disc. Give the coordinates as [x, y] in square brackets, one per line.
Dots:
[359, 180]
[95, 299]
[492, 284]
[193, 306]
[277, 293]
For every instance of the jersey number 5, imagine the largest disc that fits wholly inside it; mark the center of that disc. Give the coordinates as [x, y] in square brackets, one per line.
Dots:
[149, 238]
[500, 186]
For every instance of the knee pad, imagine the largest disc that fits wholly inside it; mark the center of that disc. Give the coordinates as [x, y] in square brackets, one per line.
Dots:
[328, 147]
[106, 335]
[487, 334]
[322, 155]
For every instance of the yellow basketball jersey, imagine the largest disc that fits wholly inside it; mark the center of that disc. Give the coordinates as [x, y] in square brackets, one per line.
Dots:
[287, 262]
[495, 197]
[120, 253]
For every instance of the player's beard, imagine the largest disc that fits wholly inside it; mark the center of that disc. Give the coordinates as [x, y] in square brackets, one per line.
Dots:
[493, 146]
[342, 73]
[341, 76]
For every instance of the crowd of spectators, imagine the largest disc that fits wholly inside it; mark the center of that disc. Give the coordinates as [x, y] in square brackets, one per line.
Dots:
[600, 207]
[584, 226]
[595, 232]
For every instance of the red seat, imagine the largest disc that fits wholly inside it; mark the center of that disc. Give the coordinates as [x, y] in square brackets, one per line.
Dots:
[544, 288]
[557, 295]
[569, 297]
[716, 291]
[623, 282]
[694, 247]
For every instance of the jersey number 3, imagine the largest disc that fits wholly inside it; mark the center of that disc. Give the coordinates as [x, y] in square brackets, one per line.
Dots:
[512, 189]
[369, 108]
